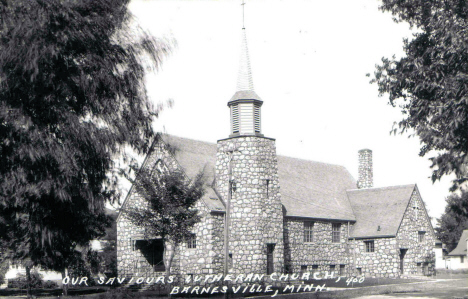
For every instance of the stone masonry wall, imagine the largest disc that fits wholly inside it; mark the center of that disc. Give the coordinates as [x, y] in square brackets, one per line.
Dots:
[203, 259]
[383, 262]
[207, 257]
[365, 170]
[320, 254]
[256, 209]
[420, 254]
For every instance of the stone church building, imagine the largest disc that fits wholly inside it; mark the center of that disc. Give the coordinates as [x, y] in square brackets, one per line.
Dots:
[285, 215]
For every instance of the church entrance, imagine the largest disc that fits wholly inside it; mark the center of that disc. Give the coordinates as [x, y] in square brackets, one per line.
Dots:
[402, 259]
[270, 266]
[153, 253]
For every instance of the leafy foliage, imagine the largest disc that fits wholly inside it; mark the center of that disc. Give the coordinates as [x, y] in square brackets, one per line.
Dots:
[72, 100]
[170, 197]
[20, 282]
[453, 221]
[108, 258]
[4, 265]
[430, 83]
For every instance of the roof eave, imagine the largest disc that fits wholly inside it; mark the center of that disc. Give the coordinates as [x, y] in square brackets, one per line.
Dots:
[371, 237]
[320, 218]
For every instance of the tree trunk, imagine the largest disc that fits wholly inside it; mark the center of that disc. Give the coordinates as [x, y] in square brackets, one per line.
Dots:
[168, 256]
[169, 252]
[28, 279]
[64, 286]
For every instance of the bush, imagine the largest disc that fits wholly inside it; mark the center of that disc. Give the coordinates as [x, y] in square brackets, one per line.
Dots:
[21, 281]
[49, 284]
[4, 265]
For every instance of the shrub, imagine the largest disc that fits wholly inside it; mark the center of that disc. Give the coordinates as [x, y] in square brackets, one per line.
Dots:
[49, 284]
[21, 282]
[4, 265]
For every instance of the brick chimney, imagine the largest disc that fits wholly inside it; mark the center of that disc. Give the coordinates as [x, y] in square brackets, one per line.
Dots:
[365, 179]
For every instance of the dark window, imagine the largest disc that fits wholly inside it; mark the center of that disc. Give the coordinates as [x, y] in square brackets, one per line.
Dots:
[342, 270]
[270, 266]
[369, 246]
[421, 236]
[359, 271]
[332, 268]
[303, 268]
[462, 259]
[336, 229]
[308, 231]
[192, 241]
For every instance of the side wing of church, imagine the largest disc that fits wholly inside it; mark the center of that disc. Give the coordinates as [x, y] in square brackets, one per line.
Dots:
[263, 213]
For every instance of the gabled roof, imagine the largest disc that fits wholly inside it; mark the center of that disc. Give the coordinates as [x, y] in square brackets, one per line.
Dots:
[315, 189]
[308, 189]
[461, 247]
[379, 207]
[195, 156]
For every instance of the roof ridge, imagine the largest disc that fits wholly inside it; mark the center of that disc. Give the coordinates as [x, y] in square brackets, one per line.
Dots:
[318, 162]
[186, 138]
[382, 188]
[283, 156]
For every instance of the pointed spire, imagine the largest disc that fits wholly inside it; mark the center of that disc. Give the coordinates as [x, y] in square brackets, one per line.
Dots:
[244, 77]
[245, 104]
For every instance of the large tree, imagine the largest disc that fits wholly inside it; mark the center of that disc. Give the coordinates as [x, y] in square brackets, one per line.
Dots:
[169, 210]
[430, 82]
[453, 221]
[72, 100]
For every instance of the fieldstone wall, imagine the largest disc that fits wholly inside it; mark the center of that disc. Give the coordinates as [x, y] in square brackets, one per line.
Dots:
[419, 254]
[365, 170]
[256, 209]
[319, 255]
[383, 262]
[207, 257]
[204, 259]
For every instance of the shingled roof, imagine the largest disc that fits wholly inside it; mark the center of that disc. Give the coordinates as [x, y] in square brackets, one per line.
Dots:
[314, 189]
[194, 156]
[308, 189]
[379, 207]
[461, 247]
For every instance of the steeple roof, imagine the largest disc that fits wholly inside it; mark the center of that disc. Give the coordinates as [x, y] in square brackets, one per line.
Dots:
[245, 87]
[244, 77]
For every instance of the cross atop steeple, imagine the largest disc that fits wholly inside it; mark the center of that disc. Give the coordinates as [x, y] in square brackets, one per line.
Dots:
[243, 18]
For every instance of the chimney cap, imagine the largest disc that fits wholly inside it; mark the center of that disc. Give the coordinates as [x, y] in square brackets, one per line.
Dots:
[365, 150]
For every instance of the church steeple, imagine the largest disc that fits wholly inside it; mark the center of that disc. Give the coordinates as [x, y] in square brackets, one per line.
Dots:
[245, 104]
[244, 77]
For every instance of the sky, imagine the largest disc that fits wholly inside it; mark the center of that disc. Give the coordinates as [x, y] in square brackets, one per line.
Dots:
[309, 63]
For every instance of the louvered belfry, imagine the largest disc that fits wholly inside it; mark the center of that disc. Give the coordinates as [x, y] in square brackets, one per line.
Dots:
[245, 104]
